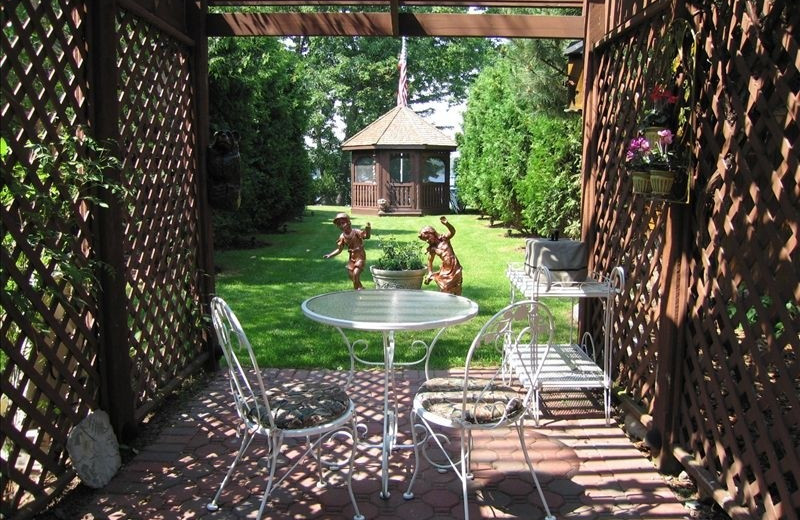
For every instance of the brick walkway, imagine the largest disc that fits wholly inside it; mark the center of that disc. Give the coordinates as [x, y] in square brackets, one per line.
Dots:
[588, 470]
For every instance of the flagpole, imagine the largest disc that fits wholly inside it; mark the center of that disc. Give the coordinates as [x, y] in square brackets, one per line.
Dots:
[402, 84]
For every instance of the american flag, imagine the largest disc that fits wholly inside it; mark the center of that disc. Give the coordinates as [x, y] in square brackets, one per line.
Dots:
[402, 86]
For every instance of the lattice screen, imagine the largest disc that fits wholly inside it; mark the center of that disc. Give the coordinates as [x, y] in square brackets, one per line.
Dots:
[161, 231]
[49, 376]
[739, 405]
[50, 296]
[628, 231]
[741, 396]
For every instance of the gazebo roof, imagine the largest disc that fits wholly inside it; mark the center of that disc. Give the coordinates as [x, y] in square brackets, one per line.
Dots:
[400, 127]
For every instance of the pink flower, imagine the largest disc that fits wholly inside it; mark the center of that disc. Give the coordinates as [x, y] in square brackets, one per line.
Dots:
[665, 137]
[638, 151]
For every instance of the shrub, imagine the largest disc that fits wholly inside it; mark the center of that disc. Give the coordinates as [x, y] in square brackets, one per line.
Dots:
[399, 255]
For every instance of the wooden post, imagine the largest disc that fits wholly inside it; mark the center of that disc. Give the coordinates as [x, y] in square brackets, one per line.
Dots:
[670, 342]
[196, 20]
[594, 31]
[114, 362]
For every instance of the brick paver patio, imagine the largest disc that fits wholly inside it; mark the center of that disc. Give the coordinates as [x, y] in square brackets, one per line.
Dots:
[588, 470]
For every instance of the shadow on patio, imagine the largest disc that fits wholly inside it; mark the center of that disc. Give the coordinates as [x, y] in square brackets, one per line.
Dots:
[587, 469]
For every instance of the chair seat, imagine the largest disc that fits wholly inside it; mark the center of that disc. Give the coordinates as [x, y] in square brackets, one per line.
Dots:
[303, 405]
[487, 402]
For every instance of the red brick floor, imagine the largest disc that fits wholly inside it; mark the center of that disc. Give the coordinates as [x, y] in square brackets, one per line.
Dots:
[588, 470]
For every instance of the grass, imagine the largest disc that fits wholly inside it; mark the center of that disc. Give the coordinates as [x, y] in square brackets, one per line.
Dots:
[265, 286]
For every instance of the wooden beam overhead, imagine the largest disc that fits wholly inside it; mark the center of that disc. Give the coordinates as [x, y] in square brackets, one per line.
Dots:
[381, 24]
[544, 4]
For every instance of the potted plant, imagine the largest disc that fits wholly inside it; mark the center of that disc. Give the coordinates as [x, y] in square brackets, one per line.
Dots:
[400, 266]
[662, 174]
[661, 114]
[637, 159]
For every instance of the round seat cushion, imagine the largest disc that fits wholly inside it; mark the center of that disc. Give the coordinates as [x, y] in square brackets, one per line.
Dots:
[487, 401]
[303, 405]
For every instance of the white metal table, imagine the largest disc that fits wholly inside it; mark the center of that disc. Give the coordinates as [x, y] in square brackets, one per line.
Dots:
[388, 311]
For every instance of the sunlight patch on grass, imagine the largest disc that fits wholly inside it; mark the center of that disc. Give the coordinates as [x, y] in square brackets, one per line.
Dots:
[266, 286]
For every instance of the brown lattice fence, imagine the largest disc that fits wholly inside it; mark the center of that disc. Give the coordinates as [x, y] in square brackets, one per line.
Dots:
[101, 302]
[161, 240]
[709, 325]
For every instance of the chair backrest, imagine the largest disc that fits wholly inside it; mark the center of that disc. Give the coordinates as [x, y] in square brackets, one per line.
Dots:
[519, 336]
[247, 386]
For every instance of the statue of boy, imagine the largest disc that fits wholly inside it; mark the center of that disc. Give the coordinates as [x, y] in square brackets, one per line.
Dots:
[449, 277]
[354, 240]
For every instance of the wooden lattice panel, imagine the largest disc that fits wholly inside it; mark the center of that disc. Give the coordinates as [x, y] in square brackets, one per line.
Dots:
[627, 230]
[161, 231]
[737, 368]
[49, 374]
[740, 414]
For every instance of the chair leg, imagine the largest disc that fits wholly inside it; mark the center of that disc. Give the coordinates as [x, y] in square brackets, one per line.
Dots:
[523, 444]
[468, 460]
[276, 442]
[247, 438]
[464, 471]
[321, 482]
[351, 464]
[408, 495]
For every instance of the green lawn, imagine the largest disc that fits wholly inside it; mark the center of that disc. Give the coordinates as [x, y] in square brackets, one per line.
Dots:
[265, 286]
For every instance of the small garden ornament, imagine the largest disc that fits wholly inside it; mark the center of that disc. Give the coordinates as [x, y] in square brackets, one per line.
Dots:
[224, 173]
[449, 277]
[354, 240]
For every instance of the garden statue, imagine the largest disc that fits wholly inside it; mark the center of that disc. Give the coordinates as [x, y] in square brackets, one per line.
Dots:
[354, 240]
[224, 175]
[449, 276]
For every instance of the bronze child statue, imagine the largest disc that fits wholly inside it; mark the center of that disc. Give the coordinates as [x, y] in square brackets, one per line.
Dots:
[449, 277]
[354, 240]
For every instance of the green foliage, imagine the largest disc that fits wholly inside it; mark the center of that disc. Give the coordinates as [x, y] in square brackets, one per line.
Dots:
[520, 157]
[256, 88]
[49, 195]
[399, 255]
[550, 192]
[541, 68]
[766, 313]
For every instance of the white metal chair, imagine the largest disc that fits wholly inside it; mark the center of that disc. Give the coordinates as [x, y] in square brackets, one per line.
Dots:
[314, 412]
[481, 398]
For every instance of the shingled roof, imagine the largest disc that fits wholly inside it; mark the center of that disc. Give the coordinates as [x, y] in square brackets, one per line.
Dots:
[400, 127]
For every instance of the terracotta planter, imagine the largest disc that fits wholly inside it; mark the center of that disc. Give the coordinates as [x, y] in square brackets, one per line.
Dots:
[661, 181]
[411, 279]
[641, 181]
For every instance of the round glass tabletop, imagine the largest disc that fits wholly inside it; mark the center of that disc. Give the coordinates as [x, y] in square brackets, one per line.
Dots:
[389, 309]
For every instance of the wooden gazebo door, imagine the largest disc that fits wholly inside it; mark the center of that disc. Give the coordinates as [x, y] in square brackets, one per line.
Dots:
[401, 188]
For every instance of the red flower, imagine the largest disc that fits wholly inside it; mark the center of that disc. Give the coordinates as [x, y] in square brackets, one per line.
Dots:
[661, 94]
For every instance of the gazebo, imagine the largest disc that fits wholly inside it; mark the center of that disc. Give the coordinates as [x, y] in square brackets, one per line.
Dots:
[400, 166]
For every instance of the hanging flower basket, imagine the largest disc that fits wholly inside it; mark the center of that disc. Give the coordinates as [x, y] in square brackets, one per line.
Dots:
[641, 181]
[661, 181]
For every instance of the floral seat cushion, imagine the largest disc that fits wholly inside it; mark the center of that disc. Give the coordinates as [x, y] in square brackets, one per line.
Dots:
[487, 401]
[302, 405]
